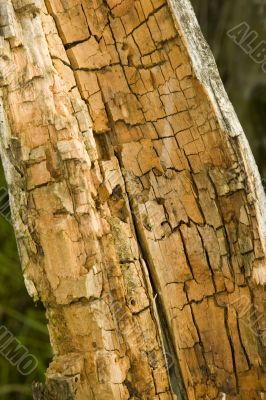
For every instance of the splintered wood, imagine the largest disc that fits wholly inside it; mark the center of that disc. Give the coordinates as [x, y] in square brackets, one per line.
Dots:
[135, 218]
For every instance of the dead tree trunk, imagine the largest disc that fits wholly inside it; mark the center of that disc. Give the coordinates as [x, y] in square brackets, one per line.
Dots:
[137, 205]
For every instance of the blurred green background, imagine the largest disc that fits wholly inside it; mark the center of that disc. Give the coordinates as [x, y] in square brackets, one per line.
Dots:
[245, 83]
[243, 78]
[24, 319]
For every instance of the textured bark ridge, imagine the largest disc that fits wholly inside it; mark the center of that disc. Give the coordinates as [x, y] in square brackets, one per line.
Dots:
[135, 201]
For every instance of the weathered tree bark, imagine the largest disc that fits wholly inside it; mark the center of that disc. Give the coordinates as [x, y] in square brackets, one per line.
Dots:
[217, 18]
[137, 206]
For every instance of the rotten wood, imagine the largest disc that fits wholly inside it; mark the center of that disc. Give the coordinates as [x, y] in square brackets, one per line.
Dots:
[137, 206]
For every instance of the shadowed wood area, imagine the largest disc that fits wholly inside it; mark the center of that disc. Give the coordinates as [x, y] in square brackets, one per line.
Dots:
[136, 202]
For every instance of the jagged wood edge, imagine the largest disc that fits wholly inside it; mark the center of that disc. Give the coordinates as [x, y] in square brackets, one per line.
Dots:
[206, 71]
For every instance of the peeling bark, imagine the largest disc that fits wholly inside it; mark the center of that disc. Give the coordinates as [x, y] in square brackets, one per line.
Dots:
[137, 206]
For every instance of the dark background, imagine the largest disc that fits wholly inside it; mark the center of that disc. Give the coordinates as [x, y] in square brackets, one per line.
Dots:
[243, 78]
[245, 83]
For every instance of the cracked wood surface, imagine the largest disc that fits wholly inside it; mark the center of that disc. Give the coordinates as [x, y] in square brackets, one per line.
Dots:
[136, 204]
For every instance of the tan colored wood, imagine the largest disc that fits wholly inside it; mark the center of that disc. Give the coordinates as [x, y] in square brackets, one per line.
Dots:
[135, 200]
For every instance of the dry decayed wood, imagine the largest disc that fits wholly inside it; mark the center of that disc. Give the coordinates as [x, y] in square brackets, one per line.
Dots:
[136, 203]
